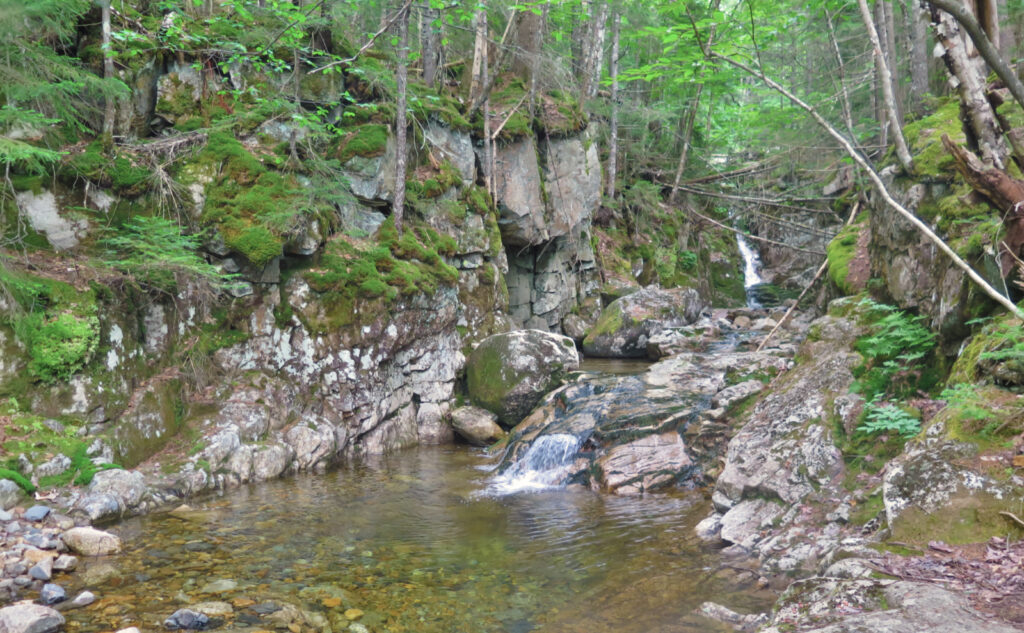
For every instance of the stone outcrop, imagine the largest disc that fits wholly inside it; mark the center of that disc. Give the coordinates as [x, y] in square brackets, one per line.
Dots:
[628, 323]
[509, 373]
[829, 605]
[632, 434]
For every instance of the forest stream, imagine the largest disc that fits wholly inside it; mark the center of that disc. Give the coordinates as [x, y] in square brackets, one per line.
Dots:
[416, 542]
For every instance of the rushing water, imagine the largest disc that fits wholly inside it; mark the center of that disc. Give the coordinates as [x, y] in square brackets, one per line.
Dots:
[418, 543]
[751, 262]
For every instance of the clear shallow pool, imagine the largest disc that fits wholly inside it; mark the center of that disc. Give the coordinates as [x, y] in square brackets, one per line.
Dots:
[415, 542]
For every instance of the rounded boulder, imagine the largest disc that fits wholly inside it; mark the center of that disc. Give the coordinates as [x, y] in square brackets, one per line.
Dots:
[509, 373]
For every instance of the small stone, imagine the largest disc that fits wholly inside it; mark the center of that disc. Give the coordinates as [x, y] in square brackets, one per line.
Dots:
[5, 515]
[83, 599]
[186, 619]
[52, 594]
[353, 614]
[219, 586]
[36, 513]
[355, 627]
[130, 629]
[213, 608]
[10, 494]
[43, 570]
[331, 603]
[65, 562]
[22, 581]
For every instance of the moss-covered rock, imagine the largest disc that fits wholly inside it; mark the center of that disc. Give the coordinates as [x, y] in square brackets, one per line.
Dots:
[509, 373]
[626, 325]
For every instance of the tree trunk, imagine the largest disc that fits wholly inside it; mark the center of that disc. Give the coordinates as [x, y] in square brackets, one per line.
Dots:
[401, 80]
[919, 52]
[885, 78]
[971, 86]
[613, 126]
[525, 58]
[476, 85]
[108, 70]
[844, 94]
[430, 44]
[892, 57]
[593, 53]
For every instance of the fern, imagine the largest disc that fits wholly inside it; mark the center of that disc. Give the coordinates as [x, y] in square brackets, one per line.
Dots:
[888, 418]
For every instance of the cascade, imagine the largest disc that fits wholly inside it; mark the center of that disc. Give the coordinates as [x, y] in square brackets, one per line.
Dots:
[543, 466]
[751, 265]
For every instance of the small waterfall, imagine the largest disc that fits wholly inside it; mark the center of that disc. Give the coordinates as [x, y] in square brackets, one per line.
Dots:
[751, 262]
[543, 466]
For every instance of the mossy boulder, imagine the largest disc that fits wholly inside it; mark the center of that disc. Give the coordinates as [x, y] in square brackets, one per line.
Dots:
[629, 322]
[509, 373]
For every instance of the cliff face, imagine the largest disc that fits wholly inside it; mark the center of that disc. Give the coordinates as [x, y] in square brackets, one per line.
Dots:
[335, 335]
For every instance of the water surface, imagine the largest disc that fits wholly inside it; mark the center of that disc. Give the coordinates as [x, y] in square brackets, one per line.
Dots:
[416, 543]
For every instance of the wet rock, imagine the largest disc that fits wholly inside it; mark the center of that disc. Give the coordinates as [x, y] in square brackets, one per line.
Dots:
[508, 374]
[52, 594]
[89, 541]
[26, 617]
[644, 464]
[36, 513]
[731, 395]
[213, 609]
[477, 426]
[270, 461]
[83, 599]
[628, 323]
[575, 327]
[187, 619]
[879, 606]
[221, 585]
[710, 529]
[99, 574]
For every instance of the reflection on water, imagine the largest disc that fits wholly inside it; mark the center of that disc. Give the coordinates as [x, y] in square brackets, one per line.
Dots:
[410, 541]
[619, 366]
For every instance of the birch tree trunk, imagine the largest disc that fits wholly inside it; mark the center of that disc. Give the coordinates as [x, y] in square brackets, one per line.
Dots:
[593, 52]
[108, 69]
[971, 87]
[401, 80]
[885, 79]
[613, 126]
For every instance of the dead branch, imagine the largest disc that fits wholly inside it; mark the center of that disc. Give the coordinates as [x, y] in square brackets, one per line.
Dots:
[373, 38]
[753, 237]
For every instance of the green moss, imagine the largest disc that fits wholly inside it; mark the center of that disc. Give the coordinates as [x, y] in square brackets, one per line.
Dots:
[841, 251]
[931, 160]
[367, 141]
[57, 324]
[968, 517]
[118, 171]
[353, 271]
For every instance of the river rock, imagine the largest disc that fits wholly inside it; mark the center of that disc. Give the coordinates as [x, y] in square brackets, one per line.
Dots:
[628, 323]
[65, 562]
[10, 494]
[26, 617]
[879, 606]
[744, 523]
[43, 570]
[36, 513]
[83, 599]
[509, 373]
[89, 541]
[187, 619]
[213, 608]
[112, 493]
[52, 594]
[477, 426]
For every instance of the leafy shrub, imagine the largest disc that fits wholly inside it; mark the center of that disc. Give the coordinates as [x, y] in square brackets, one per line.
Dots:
[62, 346]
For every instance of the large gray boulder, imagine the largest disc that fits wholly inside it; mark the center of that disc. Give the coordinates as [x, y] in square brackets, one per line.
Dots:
[10, 494]
[509, 373]
[26, 617]
[112, 493]
[629, 322]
